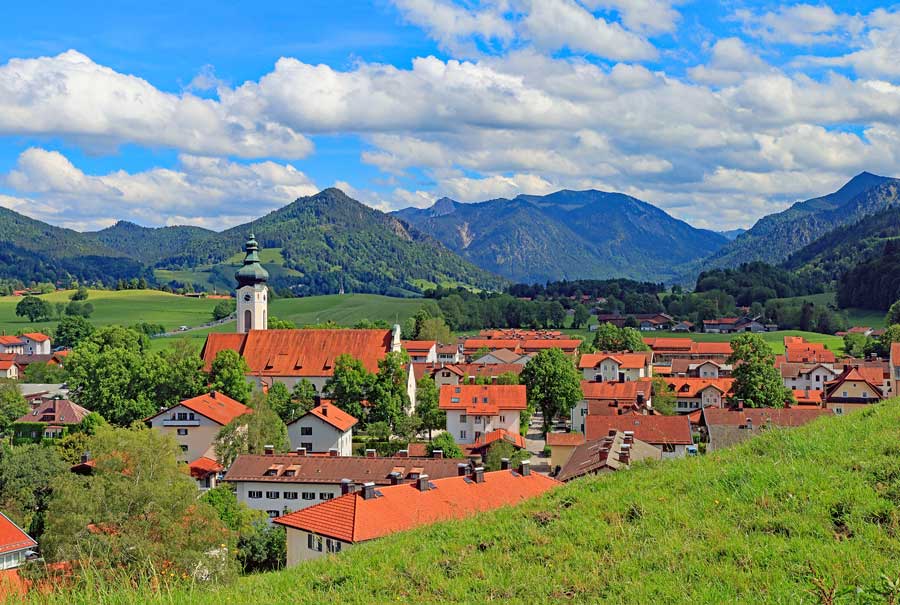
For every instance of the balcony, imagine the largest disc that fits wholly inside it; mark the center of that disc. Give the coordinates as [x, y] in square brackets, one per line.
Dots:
[172, 422]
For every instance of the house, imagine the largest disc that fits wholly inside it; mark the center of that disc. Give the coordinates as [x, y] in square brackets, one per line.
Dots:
[23, 361]
[852, 389]
[372, 512]
[9, 369]
[700, 368]
[464, 373]
[502, 357]
[49, 418]
[645, 321]
[614, 452]
[611, 399]
[35, 343]
[449, 354]
[206, 471]
[806, 376]
[442, 374]
[798, 350]
[194, 423]
[471, 346]
[733, 325]
[278, 484]
[621, 367]
[683, 326]
[15, 545]
[809, 397]
[476, 410]
[12, 344]
[420, 351]
[569, 346]
[667, 349]
[671, 434]
[561, 447]
[724, 427]
[324, 428]
[483, 442]
[694, 393]
[895, 369]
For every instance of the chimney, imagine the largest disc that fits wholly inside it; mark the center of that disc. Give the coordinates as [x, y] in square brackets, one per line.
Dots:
[462, 469]
[368, 490]
[525, 468]
[324, 410]
[85, 457]
[624, 455]
[504, 464]
[628, 438]
[422, 483]
[396, 478]
[402, 454]
[333, 452]
[347, 487]
[301, 451]
[612, 433]
[437, 454]
[212, 394]
[749, 424]
[370, 453]
[269, 450]
[478, 474]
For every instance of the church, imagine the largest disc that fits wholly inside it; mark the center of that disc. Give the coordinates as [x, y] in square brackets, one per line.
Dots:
[288, 356]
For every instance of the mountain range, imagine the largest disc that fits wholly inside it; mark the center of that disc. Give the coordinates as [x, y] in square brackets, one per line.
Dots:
[566, 235]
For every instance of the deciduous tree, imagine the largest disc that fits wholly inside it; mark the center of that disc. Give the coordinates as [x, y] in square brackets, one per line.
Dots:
[553, 383]
[504, 449]
[388, 397]
[446, 444]
[757, 382]
[12, 404]
[251, 432]
[34, 308]
[350, 384]
[71, 330]
[228, 374]
[427, 400]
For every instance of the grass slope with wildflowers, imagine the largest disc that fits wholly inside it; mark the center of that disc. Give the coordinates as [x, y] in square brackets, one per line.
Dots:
[807, 515]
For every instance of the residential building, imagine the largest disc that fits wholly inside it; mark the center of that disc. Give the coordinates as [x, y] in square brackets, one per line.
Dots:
[194, 423]
[621, 367]
[895, 369]
[561, 447]
[732, 325]
[611, 399]
[449, 354]
[35, 343]
[798, 350]
[683, 326]
[207, 472]
[645, 321]
[502, 357]
[700, 368]
[12, 344]
[442, 374]
[476, 410]
[569, 346]
[324, 428]
[373, 512]
[852, 389]
[278, 484]
[671, 434]
[471, 346]
[695, 393]
[667, 349]
[9, 369]
[614, 452]
[464, 373]
[724, 427]
[15, 545]
[49, 418]
[484, 441]
[420, 351]
[806, 376]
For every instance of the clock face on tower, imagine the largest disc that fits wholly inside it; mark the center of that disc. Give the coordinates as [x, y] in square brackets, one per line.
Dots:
[247, 297]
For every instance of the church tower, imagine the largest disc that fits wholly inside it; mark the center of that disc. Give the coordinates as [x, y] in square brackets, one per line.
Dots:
[252, 293]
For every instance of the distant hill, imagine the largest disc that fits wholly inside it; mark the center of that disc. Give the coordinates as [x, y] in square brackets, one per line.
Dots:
[732, 233]
[566, 235]
[774, 237]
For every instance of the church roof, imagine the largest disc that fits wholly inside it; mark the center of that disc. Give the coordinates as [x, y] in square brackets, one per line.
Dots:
[252, 272]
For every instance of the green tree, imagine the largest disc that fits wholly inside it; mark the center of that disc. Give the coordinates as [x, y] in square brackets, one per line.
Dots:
[223, 309]
[893, 314]
[855, 345]
[427, 400]
[44, 373]
[407, 427]
[388, 397]
[581, 316]
[280, 401]
[228, 374]
[71, 330]
[890, 336]
[633, 341]
[507, 378]
[607, 337]
[182, 375]
[12, 404]
[59, 309]
[260, 545]
[664, 399]
[379, 431]
[304, 397]
[350, 384]
[273, 323]
[79, 309]
[138, 512]
[446, 444]
[34, 308]
[504, 449]
[435, 328]
[80, 294]
[27, 477]
[757, 382]
[251, 432]
[553, 382]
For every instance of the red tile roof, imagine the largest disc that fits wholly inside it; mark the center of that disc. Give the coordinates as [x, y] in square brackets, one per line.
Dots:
[811, 396]
[300, 352]
[216, 406]
[331, 469]
[351, 518]
[568, 345]
[55, 411]
[873, 377]
[419, 346]
[37, 336]
[809, 352]
[655, 430]
[12, 537]
[669, 344]
[628, 361]
[712, 348]
[422, 369]
[484, 441]
[564, 439]
[484, 400]
[472, 345]
[691, 388]
[623, 391]
[489, 369]
[895, 353]
[10, 340]
[762, 416]
[203, 466]
[332, 415]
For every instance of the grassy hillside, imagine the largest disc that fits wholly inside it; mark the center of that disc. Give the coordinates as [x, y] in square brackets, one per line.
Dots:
[855, 317]
[787, 517]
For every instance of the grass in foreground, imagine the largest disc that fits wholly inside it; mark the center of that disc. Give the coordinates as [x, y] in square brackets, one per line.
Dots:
[787, 517]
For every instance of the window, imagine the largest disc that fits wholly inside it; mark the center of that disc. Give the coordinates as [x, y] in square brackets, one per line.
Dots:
[309, 495]
[254, 494]
[477, 419]
[290, 495]
[462, 434]
[445, 374]
[273, 513]
[454, 400]
[306, 445]
[484, 400]
[333, 545]
[325, 496]
[273, 495]
[474, 399]
[463, 418]
[838, 411]
[182, 432]
[668, 447]
[314, 542]
[184, 448]
[865, 395]
[845, 393]
[306, 430]
[503, 419]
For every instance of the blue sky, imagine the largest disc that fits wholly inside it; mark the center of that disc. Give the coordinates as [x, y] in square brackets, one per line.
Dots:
[211, 113]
